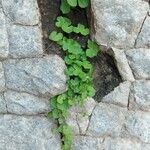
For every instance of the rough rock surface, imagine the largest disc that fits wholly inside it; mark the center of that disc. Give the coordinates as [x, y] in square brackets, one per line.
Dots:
[28, 79]
[2, 78]
[118, 22]
[3, 108]
[123, 65]
[143, 40]
[122, 119]
[79, 118]
[138, 126]
[39, 76]
[23, 103]
[20, 132]
[140, 98]
[24, 41]
[23, 12]
[92, 143]
[120, 95]
[4, 45]
[106, 120]
[139, 60]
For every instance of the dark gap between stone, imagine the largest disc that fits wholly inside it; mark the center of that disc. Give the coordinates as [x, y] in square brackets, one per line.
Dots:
[106, 75]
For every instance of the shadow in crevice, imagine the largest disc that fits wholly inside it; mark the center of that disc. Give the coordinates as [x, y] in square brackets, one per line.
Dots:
[106, 75]
[49, 10]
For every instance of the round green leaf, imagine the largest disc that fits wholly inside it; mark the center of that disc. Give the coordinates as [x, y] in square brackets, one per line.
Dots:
[64, 7]
[83, 3]
[54, 36]
[72, 3]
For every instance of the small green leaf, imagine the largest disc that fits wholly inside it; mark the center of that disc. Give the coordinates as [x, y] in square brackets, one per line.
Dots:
[92, 50]
[67, 29]
[50, 115]
[54, 36]
[60, 99]
[86, 65]
[67, 130]
[91, 91]
[81, 29]
[65, 7]
[72, 3]
[65, 24]
[68, 60]
[55, 114]
[83, 3]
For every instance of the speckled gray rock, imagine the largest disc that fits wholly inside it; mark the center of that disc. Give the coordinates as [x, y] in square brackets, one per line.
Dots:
[139, 60]
[140, 98]
[143, 40]
[25, 41]
[118, 22]
[122, 144]
[23, 12]
[26, 133]
[119, 96]
[123, 65]
[2, 104]
[87, 143]
[25, 104]
[2, 78]
[4, 45]
[138, 126]
[92, 143]
[79, 116]
[145, 146]
[106, 120]
[39, 76]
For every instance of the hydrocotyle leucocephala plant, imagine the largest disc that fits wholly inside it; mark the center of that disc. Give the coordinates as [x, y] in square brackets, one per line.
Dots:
[79, 69]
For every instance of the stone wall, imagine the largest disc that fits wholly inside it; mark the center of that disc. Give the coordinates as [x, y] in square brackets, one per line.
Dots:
[122, 119]
[29, 77]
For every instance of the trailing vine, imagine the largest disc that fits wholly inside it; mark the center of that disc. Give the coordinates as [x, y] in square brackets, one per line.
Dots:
[79, 70]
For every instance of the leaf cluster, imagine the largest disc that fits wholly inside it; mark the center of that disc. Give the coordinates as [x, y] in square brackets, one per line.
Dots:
[66, 25]
[79, 71]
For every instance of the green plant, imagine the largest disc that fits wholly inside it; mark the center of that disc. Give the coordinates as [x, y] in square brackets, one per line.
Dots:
[66, 25]
[79, 71]
[67, 5]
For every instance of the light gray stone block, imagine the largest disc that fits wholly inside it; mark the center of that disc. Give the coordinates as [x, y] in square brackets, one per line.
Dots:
[119, 96]
[122, 144]
[106, 120]
[25, 104]
[79, 116]
[137, 126]
[25, 12]
[123, 65]
[27, 133]
[139, 61]
[25, 41]
[4, 44]
[39, 76]
[118, 22]
[2, 104]
[87, 143]
[143, 40]
[2, 78]
[140, 98]
[107, 143]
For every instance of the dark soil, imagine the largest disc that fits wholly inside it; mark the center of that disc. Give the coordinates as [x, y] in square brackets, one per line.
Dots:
[106, 75]
[49, 11]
